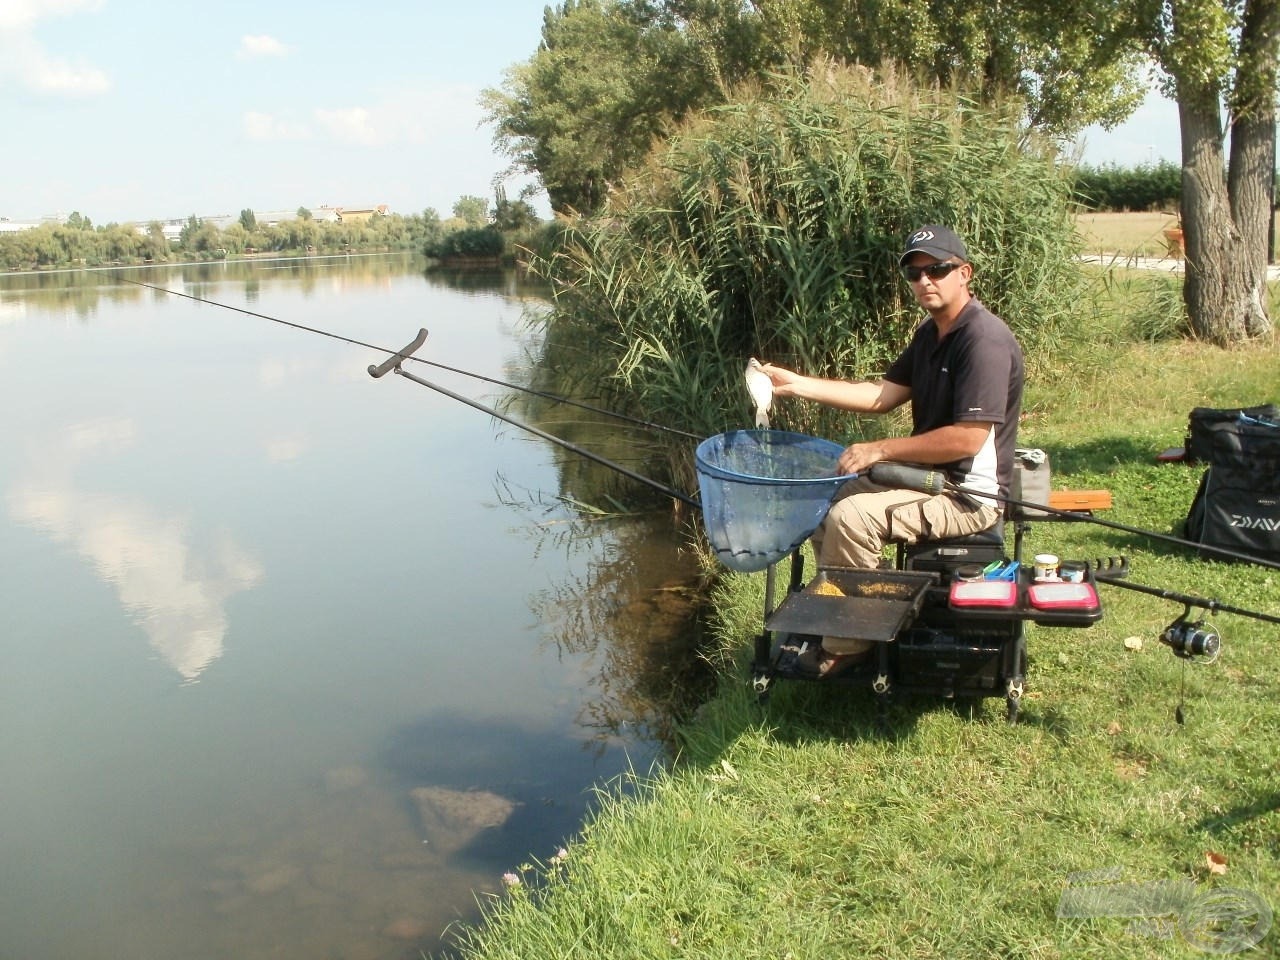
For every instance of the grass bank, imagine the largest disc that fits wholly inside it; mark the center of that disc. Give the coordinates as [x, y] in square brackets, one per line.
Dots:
[800, 829]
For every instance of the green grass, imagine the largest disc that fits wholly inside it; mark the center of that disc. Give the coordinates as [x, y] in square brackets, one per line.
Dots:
[801, 829]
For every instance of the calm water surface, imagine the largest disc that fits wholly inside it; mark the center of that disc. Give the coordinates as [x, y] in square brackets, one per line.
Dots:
[296, 663]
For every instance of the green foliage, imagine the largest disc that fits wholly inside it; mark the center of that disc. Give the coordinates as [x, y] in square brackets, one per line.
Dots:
[473, 211]
[469, 242]
[1145, 187]
[55, 245]
[600, 89]
[511, 216]
[772, 228]
[612, 77]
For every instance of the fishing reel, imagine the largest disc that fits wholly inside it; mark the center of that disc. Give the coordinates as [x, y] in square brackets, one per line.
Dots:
[1189, 638]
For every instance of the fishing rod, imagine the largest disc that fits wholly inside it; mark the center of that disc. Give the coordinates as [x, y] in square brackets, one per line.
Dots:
[892, 474]
[935, 482]
[1184, 636]
[393, 364]
[1114, 570]
[637, 421]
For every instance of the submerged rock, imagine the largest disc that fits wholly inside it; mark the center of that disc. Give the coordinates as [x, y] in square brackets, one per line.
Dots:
[451, 818]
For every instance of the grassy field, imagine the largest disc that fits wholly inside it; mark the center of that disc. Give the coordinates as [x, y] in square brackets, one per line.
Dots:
[803, 829]
[1126, 234]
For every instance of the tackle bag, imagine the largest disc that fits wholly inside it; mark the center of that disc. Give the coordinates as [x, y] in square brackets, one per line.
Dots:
[1205, 421]
[1237, 506]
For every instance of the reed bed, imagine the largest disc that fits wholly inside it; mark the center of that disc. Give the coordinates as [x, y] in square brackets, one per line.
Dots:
[770, 227]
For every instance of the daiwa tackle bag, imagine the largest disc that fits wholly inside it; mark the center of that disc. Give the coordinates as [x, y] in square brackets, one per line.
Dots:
[1237, 506]
[1205, 421]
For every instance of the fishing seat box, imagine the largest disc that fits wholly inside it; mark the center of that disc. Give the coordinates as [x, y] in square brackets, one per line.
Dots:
[945, 555]
[947, 662]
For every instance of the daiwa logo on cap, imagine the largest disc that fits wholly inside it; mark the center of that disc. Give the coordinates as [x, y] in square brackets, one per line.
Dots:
[936, 240]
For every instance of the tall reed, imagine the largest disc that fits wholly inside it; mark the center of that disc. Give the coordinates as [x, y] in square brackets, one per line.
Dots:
[771, 227]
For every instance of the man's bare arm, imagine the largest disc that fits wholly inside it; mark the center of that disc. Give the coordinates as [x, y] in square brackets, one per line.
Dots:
[862, 396]
[942, 445]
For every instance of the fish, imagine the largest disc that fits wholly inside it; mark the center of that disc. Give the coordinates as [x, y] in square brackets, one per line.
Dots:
[761, 389]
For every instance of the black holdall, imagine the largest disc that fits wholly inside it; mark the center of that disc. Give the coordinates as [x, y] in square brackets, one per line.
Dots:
[1237, 506]
[1205, 421]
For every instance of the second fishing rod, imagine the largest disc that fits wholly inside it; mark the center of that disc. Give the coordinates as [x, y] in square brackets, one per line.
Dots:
[531, 391]
[927, 480]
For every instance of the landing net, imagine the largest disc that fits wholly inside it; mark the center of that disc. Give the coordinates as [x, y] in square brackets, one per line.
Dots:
[764, 492]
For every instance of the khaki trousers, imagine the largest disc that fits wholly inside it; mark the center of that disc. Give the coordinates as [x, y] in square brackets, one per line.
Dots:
[864, 516]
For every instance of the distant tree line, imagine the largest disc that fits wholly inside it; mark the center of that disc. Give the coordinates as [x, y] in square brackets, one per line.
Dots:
[77, 242]
[1144, 187]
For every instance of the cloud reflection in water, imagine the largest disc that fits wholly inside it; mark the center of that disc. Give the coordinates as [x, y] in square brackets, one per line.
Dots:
[175, 592]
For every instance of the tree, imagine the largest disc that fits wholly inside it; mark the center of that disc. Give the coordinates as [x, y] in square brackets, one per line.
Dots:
[187, 234]
[511, 215]
[1215, 52]
[248, 220]
[607, 81]
[304, 213]
[611, 77]
[473, 211]
[426, 230]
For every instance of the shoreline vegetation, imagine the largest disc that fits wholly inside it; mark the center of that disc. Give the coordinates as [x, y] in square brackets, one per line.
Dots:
[800, 828]
[1101, 233]
[475, 230]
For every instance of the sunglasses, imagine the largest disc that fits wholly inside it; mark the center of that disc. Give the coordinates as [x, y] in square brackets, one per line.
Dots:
[934, 271]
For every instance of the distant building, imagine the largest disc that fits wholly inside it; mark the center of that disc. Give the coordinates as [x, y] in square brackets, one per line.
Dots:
[17, 226]
[361, 214]
[172, 229]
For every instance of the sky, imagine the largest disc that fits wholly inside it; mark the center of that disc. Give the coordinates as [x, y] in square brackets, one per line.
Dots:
[136, 110]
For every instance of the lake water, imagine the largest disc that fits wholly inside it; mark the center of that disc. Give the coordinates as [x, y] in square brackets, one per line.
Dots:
[296, 663]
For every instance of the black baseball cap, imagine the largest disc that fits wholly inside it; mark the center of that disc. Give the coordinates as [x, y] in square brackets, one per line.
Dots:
[936, 241]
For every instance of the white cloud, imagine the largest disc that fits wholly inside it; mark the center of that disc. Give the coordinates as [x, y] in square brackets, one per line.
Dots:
[25, 59]
[406, 117]
[253, 46]
[355, 125]
[264, 126]
[21, 14]
[51, 75]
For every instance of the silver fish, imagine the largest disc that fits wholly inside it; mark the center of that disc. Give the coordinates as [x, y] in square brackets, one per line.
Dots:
[761, 389]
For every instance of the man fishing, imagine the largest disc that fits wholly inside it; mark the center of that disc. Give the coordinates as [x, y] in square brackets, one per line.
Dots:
[962, 373]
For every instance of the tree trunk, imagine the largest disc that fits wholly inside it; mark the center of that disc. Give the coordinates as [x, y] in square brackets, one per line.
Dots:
[1226, 210]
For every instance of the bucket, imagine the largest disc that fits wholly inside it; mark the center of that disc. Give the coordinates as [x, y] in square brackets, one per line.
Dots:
[764, 492]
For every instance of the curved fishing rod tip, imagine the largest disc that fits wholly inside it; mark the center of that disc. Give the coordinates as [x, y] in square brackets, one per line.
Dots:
[377, 370]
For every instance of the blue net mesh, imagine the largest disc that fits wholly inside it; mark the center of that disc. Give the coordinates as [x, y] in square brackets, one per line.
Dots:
[764, 492]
